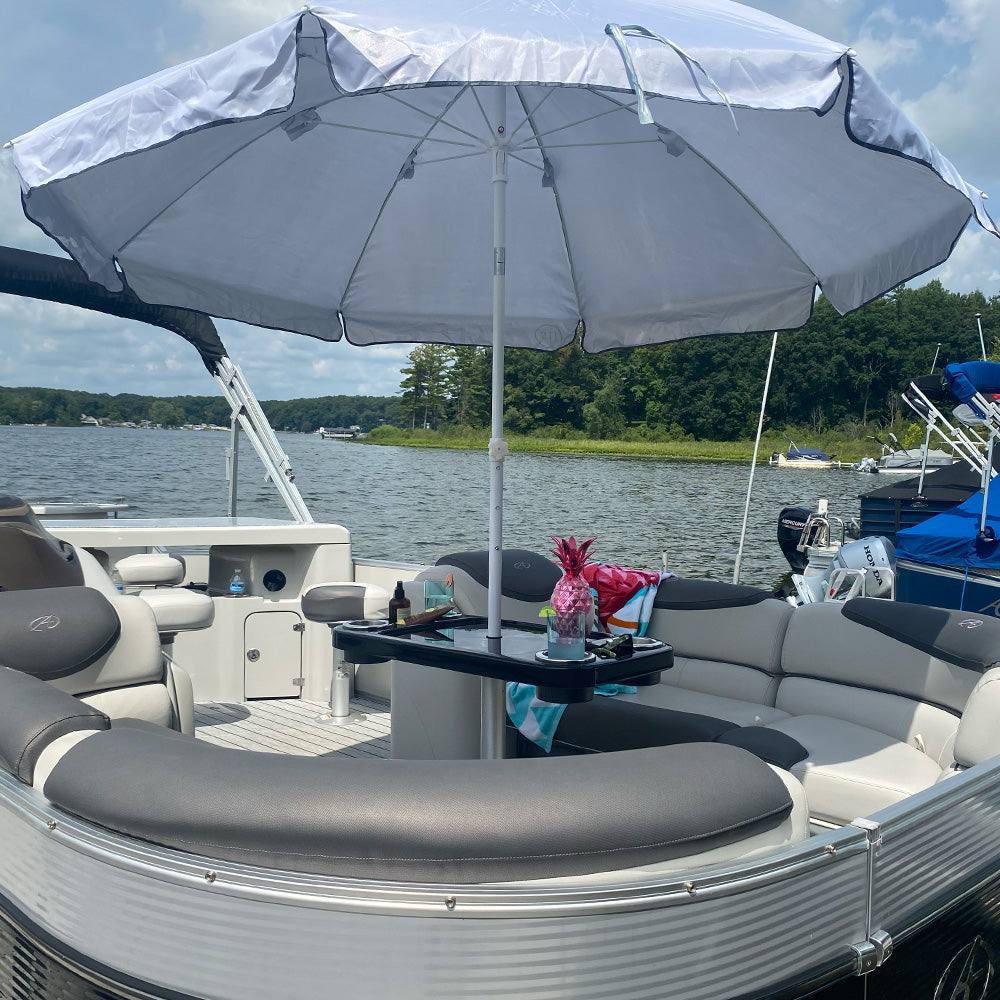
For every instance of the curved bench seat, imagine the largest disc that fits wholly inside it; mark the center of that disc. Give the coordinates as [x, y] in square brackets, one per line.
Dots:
[34, 715]
[454, 821]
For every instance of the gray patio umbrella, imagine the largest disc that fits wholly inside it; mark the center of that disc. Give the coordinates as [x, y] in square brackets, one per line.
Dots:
[499, 174]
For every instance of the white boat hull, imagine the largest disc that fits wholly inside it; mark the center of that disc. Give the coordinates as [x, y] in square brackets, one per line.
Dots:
[131, 915]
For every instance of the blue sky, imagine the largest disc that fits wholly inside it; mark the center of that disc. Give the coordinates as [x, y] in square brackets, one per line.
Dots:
[935, 57]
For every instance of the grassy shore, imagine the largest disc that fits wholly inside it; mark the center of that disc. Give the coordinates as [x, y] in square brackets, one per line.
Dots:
[843, 447]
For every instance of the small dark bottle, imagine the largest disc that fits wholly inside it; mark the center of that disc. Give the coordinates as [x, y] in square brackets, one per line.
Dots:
[399, 606]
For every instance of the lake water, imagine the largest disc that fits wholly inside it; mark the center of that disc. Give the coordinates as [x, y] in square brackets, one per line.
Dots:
[417, 504]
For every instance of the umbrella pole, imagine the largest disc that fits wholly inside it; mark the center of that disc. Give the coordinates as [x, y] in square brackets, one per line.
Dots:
[494, 691]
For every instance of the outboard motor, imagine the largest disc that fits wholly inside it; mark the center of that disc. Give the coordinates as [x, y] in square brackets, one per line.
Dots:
[855, 569]
[31, 557]
[872, 555]
[791, 521]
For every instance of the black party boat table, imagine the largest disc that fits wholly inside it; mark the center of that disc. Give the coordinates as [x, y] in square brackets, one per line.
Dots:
[460, 644]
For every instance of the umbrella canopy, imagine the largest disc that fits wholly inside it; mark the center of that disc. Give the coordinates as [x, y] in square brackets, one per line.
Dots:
[331, 174]
[672, 169]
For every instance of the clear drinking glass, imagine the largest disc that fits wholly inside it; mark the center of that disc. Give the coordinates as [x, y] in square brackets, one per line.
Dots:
[567, 635]
[436, 593]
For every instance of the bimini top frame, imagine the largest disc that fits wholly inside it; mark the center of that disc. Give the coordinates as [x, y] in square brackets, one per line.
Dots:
[55, 279]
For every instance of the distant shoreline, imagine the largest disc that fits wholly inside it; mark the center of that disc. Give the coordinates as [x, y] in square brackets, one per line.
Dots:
[692, 451]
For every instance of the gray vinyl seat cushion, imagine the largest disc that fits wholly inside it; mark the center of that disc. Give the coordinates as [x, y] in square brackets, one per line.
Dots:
[739, 713]
[54, 632]
[33, 714]
[851, 770]
[528, 579]
[31, 557]
[456, 821]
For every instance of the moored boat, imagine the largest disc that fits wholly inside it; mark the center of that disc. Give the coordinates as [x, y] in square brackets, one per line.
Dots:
[801, 458]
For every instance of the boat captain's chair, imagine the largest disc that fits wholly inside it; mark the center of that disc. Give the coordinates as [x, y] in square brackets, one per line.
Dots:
[63, 620]
[102, 648]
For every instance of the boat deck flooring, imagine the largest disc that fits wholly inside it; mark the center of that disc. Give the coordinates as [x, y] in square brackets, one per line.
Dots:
[292, 726]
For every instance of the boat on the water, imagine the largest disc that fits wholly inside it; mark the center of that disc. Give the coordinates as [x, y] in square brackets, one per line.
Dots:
[801, 458]
[927, 540]
[895, 460]
[225, 774]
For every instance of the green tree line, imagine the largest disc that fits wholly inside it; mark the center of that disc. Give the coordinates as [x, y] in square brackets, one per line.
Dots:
[836, 373]
[65, 407]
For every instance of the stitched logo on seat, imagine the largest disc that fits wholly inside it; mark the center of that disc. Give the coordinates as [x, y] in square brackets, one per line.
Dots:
[44, 622]
[971, 622]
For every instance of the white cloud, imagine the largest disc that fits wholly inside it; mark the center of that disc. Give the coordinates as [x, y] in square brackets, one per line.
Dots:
[961, 111]
[888, 41]
[974, 264]
[224, 23]
[830, 18]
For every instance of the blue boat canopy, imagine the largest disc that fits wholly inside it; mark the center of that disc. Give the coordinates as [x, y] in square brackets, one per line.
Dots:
[951, 538]
[808, 453]
[970, 377]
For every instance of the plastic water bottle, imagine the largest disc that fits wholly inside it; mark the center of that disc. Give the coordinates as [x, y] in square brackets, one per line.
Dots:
[116, 579]
[237, 585]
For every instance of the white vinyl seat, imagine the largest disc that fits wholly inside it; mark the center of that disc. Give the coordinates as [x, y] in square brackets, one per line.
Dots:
[176, 609]
[132, 681]
[852, 770]
[150, 569]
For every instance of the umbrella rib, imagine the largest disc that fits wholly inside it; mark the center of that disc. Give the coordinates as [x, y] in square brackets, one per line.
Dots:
[559, 209]
[404, 135]
[589, 118]
[173, 201]
[585, 145]
[734, 186]
[388, 195]
[437, 120]
[526, 162]
[457, 156]
[401, 135]
[525, 120]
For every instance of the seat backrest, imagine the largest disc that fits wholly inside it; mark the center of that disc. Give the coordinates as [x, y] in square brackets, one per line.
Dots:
[30, 556]
[727, 638]
[105, 649]
[527, 582]
[906, 670]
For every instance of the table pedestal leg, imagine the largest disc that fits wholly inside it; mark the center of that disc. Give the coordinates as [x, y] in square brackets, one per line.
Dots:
[493, 719]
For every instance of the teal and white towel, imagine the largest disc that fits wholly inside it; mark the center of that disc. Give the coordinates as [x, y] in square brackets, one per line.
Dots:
[538, 720]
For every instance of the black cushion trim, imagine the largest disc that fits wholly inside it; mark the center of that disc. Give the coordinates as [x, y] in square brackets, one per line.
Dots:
[608, 724]
[770, 745]
[965, 638]
[463, 821]
[32, 715]
[55, 632]
[525, 575]
[684, 594]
